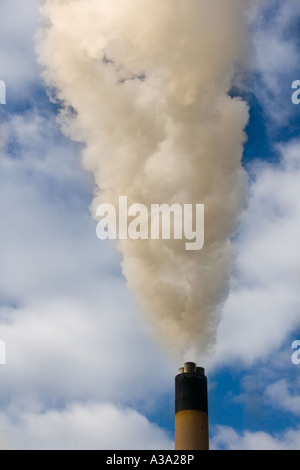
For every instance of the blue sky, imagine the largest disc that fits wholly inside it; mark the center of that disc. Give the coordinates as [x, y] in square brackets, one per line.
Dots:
[83, 368]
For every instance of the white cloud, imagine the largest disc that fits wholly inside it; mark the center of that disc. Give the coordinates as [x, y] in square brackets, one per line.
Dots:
[48, 238]
[18, 62]
[275, 56]
[263, 307]
[226, 438]
[80, 349]
[264, 304]
[82, 427]
[282, 398]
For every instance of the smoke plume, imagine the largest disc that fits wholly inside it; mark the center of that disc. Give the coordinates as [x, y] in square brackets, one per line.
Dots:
[144, 85]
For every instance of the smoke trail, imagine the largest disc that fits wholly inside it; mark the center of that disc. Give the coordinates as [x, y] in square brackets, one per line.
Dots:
[144, 84]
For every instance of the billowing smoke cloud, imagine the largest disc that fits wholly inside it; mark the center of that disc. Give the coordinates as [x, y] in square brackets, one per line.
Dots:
[144, 85]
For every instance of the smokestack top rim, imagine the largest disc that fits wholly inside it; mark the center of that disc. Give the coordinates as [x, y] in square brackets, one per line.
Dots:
[191, 368]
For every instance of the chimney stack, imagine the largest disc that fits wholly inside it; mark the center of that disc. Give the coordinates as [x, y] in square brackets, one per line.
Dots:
[191, 408]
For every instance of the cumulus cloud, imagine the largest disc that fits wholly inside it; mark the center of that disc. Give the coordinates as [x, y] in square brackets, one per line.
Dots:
[63, 350]
[43, 210]
[83, 427]
[18, 62]
[275, 57]
[263, 307]
[282, 398]
[226, 438]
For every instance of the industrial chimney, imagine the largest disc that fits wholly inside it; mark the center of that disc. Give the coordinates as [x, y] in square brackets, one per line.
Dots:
[191, 408]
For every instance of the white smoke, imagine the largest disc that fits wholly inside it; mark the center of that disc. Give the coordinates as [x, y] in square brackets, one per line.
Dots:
[144, 84]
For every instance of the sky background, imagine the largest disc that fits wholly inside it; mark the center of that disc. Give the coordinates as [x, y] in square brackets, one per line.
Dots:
[83, 369]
